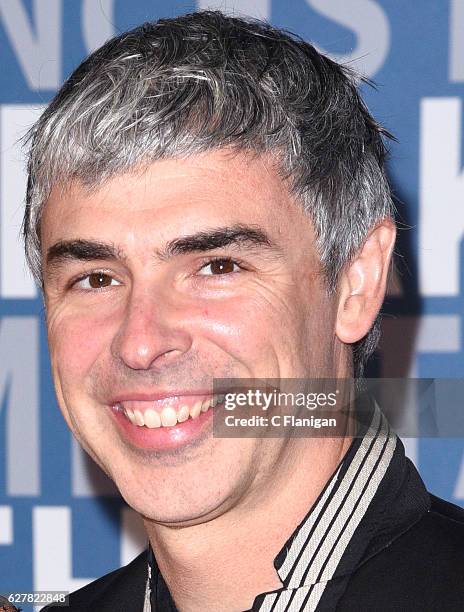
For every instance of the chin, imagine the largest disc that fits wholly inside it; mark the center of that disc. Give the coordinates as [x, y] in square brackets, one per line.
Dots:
[196, 514]
[174, 507]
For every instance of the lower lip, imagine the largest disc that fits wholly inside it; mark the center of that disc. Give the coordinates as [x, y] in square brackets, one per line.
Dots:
[163, 438]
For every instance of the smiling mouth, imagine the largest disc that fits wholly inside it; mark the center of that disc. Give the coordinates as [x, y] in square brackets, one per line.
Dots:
[162, 413]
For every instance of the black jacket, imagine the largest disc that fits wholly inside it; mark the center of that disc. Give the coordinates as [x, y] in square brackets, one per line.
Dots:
[407, 554]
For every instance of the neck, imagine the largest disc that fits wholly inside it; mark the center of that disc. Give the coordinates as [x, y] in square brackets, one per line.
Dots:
[202, 564]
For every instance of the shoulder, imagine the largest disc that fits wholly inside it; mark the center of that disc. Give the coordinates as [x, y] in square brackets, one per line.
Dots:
[439, 534]
[442, 510]
[420, 569]
[120, 590]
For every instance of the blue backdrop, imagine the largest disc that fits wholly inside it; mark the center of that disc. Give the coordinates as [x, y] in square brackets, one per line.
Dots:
[55, 531]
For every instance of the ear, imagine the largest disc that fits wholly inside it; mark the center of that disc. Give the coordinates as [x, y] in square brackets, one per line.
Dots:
[363, 283]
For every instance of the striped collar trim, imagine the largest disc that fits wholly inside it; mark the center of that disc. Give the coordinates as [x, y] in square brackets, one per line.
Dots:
[314, 551]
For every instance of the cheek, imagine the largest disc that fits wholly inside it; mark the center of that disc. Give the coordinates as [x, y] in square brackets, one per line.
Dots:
[241, 325]
[76, 343]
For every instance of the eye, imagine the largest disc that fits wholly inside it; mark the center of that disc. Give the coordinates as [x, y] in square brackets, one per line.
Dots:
[218, 266]
[95, 280]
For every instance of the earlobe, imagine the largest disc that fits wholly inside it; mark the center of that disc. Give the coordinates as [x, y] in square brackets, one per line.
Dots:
[363, 283]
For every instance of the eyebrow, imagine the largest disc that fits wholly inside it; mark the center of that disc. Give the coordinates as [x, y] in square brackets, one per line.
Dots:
[81, 250]
[207, 240]
[216, 238]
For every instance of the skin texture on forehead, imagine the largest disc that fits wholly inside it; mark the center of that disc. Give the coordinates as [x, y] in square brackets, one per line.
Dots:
[204, 179]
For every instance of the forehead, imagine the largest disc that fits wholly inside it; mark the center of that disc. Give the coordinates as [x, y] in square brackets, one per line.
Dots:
[176, 196]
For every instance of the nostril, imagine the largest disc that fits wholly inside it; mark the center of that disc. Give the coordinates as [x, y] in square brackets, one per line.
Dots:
[169, 355]
[144, 353]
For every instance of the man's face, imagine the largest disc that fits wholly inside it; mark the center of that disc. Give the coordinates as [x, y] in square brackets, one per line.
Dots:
[190, 270]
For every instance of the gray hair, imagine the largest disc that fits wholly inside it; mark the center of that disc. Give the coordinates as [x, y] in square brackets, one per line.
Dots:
[201, 81]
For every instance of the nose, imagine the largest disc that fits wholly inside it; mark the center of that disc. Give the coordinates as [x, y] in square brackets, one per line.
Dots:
[151, 333]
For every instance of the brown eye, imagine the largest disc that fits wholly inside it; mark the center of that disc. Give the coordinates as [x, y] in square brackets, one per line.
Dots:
[220, 266]
[98, 280]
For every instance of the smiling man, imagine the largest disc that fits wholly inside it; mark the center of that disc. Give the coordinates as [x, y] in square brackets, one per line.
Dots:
[207, 200]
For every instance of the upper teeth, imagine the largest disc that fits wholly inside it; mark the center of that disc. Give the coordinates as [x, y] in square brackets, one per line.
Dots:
[170, 416]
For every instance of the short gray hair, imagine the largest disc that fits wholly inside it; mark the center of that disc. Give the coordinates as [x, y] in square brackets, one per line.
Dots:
[201, 81]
